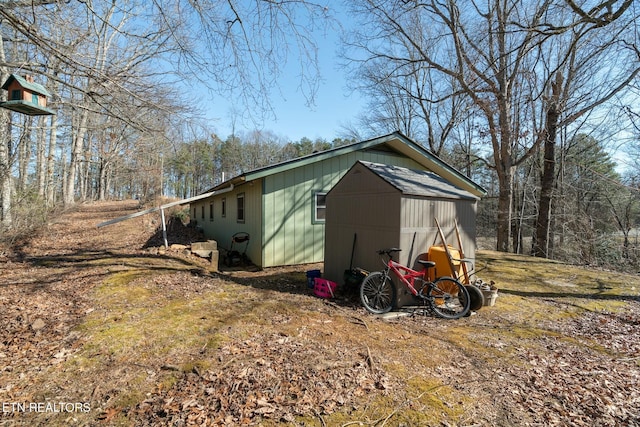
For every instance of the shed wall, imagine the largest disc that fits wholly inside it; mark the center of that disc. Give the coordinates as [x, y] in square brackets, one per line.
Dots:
[382, 217]
[364, 206]
[419, 231]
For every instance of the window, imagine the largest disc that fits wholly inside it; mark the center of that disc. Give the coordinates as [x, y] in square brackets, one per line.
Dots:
[319, 206]
[211, 211]
[202, 211]
[223, 206]
[16, 94]
[240, 203]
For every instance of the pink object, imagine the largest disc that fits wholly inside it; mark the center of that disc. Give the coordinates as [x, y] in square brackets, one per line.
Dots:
[324, 288]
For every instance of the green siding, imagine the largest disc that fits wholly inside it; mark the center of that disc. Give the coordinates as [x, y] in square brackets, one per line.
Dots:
[222, 229]
[290, 236]
[279, 209]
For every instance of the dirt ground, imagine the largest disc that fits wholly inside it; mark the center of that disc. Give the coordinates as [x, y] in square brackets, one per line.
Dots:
[101, 328]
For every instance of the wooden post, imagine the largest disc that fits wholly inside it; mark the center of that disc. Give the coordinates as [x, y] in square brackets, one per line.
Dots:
[446, 249]
[465, 271]
[164, 229]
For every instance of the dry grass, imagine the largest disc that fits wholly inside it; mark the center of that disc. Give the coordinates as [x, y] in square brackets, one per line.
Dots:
[150, 327]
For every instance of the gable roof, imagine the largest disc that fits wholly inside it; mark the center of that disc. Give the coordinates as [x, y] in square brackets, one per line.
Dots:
[417, 182]
[395, 141]
[33, 87]
[26, 106]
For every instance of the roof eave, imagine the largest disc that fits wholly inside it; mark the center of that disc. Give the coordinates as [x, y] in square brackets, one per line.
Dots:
[235, 181]
[315, 157]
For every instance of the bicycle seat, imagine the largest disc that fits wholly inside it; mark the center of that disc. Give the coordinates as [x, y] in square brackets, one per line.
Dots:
[426, 264]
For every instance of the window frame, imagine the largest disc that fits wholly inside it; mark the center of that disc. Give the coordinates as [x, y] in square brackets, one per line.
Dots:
[316, 207]
[240, 210]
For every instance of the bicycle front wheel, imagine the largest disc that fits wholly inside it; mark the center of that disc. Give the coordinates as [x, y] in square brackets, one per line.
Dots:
[378, 293]
[449, 298]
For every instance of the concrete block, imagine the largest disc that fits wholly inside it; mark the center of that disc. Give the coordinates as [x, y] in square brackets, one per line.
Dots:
[204, 249]
[215, 256]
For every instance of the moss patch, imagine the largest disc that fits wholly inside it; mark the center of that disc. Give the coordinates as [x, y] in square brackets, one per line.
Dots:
[152, 326]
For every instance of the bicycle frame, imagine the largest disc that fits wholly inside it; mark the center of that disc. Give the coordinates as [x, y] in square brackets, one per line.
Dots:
[446, 296]
[406, 275]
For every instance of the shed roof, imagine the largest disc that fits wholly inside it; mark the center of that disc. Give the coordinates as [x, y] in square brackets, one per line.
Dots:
[396, 141]
[418, 182]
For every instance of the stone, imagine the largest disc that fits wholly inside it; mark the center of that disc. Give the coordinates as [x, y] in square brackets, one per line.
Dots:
[202, 252]
[209, 245]
[38, 324]
[206, 249]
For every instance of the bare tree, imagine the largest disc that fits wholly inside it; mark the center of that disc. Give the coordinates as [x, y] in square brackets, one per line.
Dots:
[99, 60]
[410, 98]
[584, 65]
[493, 51]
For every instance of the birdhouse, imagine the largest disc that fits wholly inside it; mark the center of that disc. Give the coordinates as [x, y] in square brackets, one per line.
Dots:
[25, 96]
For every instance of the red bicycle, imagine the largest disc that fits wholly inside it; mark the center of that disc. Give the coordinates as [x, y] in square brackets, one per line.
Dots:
[446, 296]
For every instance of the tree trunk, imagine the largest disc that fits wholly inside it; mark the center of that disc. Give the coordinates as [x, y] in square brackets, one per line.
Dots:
[5, 169]
[103, 181]
[76, 155]
[51, 162]
[541, 241]
[5, 164]
[41, 155]
[505, 199]
[24, 153]
[540, 247]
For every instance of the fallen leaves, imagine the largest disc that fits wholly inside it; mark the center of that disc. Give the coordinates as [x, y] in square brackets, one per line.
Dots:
[499, 367]
[267, 377]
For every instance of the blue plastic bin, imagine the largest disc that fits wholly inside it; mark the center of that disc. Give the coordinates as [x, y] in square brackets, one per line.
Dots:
[311, 275]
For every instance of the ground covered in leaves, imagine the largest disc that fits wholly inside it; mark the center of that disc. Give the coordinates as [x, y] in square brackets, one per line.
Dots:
[101, 328]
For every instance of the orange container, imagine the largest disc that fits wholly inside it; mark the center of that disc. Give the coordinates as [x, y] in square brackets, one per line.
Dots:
[438, 255]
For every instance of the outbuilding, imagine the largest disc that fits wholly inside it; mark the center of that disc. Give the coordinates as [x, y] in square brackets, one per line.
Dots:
[282, 207]
[375, 206]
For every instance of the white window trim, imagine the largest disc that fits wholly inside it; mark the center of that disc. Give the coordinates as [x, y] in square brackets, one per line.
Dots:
[315, 219]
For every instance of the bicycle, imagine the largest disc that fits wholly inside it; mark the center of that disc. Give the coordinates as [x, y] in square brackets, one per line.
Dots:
[446, 296]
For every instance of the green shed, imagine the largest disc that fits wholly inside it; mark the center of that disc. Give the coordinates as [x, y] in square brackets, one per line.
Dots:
[282, 207]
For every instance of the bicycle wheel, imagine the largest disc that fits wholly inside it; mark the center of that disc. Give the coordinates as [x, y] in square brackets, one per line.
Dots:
[449, 298]
[377, 293]
[475, 296]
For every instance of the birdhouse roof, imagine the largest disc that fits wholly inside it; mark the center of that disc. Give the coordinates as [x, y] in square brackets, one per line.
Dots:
[34, 87]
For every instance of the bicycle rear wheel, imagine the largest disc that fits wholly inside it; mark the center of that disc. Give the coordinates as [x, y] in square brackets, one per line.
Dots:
[378, 293]
[449, 298]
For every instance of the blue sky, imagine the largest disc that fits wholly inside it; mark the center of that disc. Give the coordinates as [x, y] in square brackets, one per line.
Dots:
[335, 105]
